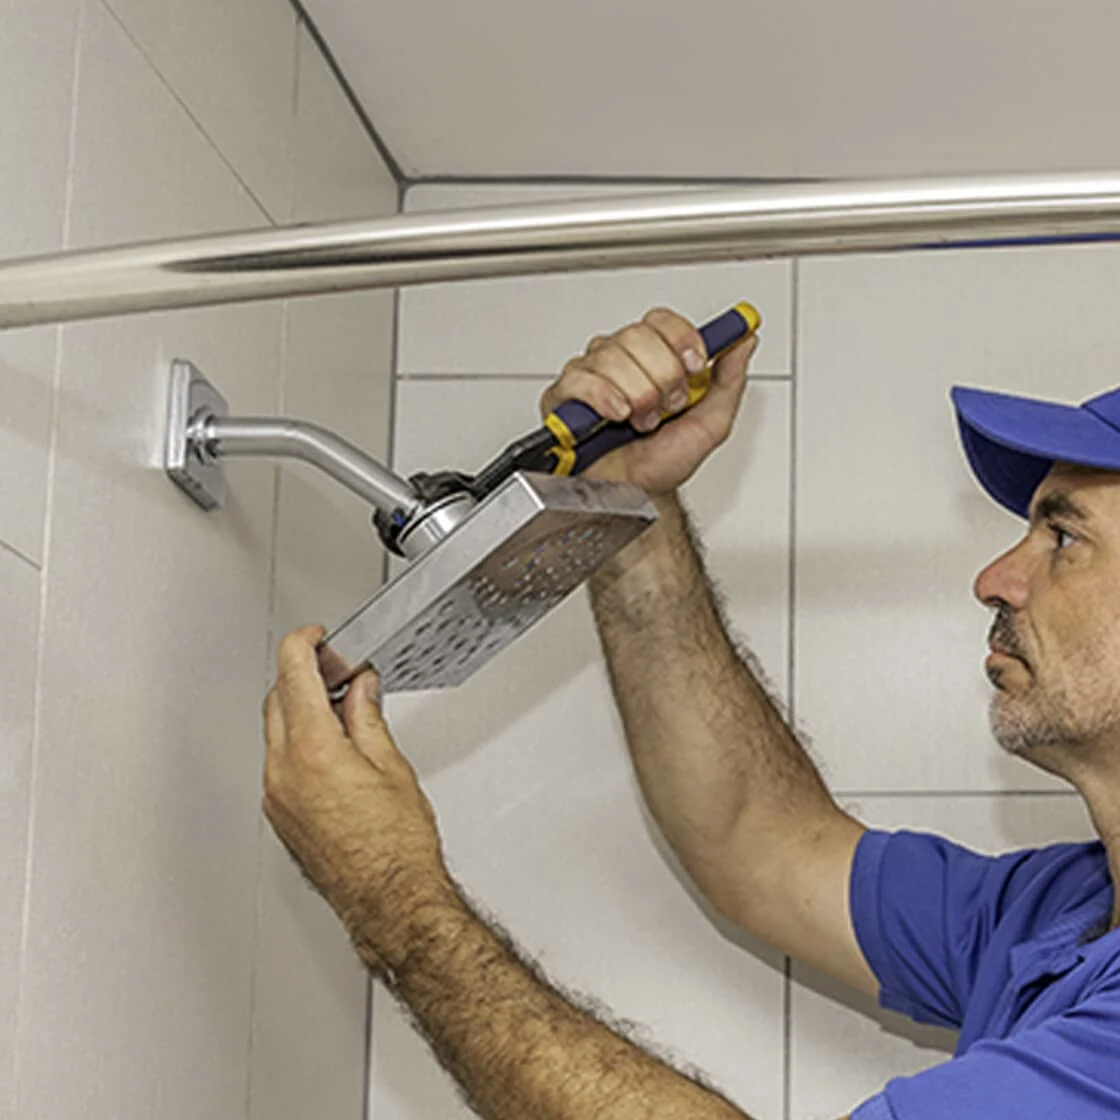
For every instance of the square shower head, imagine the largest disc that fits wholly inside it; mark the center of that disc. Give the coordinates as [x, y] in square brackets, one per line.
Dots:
[513, 558]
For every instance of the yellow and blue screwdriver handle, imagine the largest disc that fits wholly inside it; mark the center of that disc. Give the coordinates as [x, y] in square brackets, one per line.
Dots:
[583, 436]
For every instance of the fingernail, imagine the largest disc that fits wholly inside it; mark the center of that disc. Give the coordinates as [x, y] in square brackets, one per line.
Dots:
[693, 361]
[677, 400]
[373, 689]
[647, 421]
[619, 407]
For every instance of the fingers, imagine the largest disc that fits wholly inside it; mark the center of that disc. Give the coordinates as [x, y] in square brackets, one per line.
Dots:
[299, 685]
[719, 407]
[579, 383]
[361, 713]
[682, 337]
[275, 733]
[276, 738]
[639, 372]
[333, 667]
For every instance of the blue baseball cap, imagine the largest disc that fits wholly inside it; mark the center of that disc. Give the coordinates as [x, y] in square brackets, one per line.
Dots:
[1012, 442]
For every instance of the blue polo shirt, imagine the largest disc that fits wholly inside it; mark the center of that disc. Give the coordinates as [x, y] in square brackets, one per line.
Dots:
[1012, 951]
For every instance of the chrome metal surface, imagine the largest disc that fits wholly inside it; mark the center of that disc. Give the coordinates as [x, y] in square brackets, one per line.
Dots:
[433, 523]
[518, 554]
[677, 228]
[190, 398]
[219, 437]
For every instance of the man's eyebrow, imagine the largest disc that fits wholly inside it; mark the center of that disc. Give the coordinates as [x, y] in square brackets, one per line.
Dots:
[1058, 505]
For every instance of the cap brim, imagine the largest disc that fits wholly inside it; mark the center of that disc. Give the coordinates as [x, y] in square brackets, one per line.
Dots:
[1012, 442]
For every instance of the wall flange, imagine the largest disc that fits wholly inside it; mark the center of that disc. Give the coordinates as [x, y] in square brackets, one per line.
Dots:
[192, 400]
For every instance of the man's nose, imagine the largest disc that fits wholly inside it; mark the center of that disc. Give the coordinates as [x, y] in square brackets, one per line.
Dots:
[1004, 580]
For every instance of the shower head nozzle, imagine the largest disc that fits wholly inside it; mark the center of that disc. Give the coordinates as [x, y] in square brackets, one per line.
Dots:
[510, 560]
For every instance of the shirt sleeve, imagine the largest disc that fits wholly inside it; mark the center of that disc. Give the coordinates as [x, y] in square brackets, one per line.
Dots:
[924, 910]
[1066, 1067]
[875, 1109]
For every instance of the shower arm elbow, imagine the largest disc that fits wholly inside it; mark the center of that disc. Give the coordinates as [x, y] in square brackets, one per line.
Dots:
[220, 437]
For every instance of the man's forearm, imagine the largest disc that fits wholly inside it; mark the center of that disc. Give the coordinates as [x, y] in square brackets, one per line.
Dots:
[516, 1047]
[710, 748]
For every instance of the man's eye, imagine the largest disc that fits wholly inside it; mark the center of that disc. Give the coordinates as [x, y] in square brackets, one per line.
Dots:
[1063, 538]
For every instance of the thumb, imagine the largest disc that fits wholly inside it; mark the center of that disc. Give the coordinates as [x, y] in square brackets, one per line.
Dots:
[729, 380]
[361, 713]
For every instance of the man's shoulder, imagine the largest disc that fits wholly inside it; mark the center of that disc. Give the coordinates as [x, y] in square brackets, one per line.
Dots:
[1037, 884]
[1061, 877]
[1034, 893]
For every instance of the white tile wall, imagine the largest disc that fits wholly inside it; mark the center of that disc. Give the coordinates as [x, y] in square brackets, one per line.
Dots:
[891, 527]
[146, 798]
[843, 1047]
[19, 623]
[37, 62]
[337, 373]
[28, 360]
[535, 324]
[529, 774]
[164, 970]
[232, 67]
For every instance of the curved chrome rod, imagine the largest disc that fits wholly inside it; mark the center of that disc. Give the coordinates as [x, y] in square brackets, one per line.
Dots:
[675, 228]
[214, 437]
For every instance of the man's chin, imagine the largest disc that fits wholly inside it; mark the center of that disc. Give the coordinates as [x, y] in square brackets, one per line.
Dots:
[1021, 731]
[1011, 726]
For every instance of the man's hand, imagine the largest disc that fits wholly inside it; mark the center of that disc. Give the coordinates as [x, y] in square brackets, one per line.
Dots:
[346, 803]
[641, 371]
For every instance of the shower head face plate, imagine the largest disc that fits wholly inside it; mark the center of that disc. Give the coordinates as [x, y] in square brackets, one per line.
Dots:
[511, 560]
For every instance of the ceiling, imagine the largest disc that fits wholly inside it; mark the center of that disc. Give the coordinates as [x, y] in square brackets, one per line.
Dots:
[721, 89]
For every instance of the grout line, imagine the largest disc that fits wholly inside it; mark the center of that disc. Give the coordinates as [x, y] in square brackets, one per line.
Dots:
[293, 127]
[107, 6]
[44, 576]
[270, 638]
[395, 379]
[787, 1038]
[383, 150]
[20, 555]
[391, 460]
[367, 1061]
[273, 569]
[791, 651]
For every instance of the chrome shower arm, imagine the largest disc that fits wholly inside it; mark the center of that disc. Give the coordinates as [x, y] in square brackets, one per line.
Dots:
[201, 433]
[217, 437]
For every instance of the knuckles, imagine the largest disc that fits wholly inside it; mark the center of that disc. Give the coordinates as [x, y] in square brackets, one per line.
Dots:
[675, 328]
[633, 335]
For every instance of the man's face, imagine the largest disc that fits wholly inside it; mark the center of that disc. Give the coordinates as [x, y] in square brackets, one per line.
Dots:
[1055, 638]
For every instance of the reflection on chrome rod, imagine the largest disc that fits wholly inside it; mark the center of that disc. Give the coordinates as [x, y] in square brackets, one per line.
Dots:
[675, 228]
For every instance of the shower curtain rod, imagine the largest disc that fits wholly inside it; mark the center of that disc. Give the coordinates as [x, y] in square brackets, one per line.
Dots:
[652, 229]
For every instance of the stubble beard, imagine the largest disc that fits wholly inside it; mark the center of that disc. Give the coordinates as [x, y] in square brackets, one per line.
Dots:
[1023, 725]
[1028, 721]
[1048, 716]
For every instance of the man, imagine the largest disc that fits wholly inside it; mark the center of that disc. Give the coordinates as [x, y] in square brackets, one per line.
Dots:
[1018, 952]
